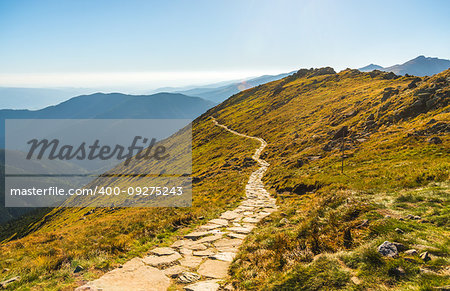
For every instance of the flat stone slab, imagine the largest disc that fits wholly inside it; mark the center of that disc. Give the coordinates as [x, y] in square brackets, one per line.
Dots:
[219, 221]
[250, 220]
[196, 235]
[174, 271]
[185, 251]
[224, 256]
[228, 249]
[134, 275]
[196, 247]
[214, 269]
[236, 235]
[226, 242]
[160, 261]
[243, 230]
[208, 285]
[205, 253]
[230, 215]
[178, 243]
[190, 261]
[163, 251]
[210, 238]
[210, 226]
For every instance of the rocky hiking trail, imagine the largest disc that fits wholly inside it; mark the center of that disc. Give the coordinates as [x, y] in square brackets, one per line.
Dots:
[200, 260]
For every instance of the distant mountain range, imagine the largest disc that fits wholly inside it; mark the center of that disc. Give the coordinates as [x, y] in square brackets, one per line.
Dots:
[117, 105]
[105, 106]
[36, 98]
[420, 66]
[220, 93]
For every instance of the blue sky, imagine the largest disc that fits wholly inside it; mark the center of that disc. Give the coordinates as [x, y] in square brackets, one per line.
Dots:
[97, 42]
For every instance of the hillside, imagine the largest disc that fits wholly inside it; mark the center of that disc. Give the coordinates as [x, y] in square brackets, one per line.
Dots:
[394, 186]
[420, 66]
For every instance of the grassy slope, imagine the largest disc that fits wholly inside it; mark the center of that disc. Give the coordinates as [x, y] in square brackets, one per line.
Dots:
[100, 239]
[297, 116]
[319, 245]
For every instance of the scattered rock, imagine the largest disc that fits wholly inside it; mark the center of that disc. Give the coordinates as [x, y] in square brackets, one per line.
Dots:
[9, 281]
[446, 288]
[413, 217]
[188, 277]
[425, 256]
[435, 140]
[427, 271]
[78, 269]
[412, 252]
[400, 231]
[355, 280]
[388, 249]
[364, 223]
[314, 158]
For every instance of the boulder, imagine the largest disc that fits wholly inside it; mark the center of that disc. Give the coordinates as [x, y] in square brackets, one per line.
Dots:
[388, 249]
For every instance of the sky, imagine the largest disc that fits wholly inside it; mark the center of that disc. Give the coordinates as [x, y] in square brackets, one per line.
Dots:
[146, 44]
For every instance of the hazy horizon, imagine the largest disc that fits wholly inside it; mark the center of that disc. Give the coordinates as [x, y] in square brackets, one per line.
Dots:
[143, 45]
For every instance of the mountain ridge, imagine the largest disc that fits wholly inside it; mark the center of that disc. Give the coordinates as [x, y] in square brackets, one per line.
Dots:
[419, 66]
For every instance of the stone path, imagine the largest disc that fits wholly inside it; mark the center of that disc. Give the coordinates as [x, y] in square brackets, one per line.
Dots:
[201, 259]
